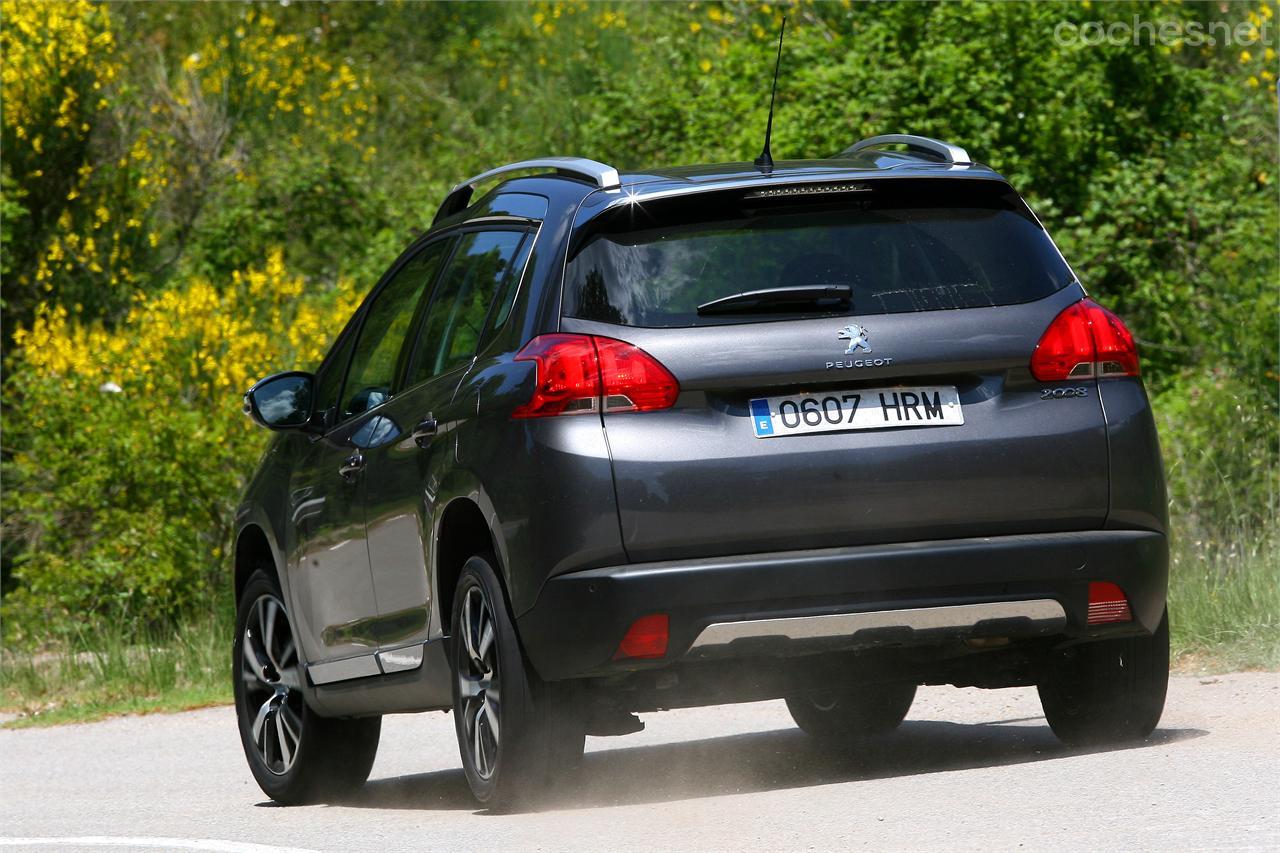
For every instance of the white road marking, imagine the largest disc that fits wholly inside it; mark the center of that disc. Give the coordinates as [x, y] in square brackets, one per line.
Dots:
[158, 843]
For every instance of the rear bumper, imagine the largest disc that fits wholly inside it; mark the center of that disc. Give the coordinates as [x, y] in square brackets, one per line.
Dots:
[907, 594]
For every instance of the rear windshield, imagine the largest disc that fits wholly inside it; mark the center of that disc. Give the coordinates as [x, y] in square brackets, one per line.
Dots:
[898, 245]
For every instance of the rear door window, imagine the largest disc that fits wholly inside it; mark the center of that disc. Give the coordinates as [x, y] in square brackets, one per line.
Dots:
[382, 334]
[897, 245]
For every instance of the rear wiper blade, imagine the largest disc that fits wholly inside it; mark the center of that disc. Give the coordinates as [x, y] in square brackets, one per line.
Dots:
[806, 298]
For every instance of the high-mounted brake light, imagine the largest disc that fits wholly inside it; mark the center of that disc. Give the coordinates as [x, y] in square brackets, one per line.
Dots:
[807, 189]
[1084, 341]
[1107, 603]
[578, 374]
[646, 638]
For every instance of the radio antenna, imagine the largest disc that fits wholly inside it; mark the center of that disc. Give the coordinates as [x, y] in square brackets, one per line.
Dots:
[765, 161]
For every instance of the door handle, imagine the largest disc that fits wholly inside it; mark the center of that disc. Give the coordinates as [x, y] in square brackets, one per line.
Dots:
[351, 467]
[423, 432]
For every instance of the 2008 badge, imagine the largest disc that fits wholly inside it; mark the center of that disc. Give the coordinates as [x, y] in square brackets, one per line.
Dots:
[1062, 393]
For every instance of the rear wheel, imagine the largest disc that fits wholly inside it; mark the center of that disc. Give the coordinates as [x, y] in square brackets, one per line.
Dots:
[516, 734]
[295, 755]
[1108, 692]
[851, 713]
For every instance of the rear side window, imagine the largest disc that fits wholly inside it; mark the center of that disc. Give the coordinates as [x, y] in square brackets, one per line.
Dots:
[467, 288]
[898, 245]
[508, 289]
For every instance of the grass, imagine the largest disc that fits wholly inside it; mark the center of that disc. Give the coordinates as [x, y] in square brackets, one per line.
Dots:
[1224, 603]
[1224, 606]
[106, 674]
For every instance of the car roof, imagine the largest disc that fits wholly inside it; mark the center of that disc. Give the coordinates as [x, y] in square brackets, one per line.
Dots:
[655, 183]
[867, 159]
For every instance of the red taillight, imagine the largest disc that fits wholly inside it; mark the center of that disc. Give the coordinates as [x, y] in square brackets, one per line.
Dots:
[633, 380]
[1084, 341]
[1107, 603]
[646, 638]
[1117, 353]
[568, 377]
[586, 373]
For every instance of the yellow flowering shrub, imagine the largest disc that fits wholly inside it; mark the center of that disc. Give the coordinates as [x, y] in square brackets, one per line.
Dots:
[48, 48]
[146, 286]
[278, 72]
[113, 160]
[1260, 63]
[86, 190]
[218, 338]
[134, 446]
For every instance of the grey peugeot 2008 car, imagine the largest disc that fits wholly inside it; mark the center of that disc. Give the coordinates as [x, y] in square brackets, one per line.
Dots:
[599, 444]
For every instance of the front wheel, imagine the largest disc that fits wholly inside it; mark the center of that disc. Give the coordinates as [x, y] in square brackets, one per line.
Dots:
[871, 710]
[1110, 691]
[295, 755]
[515, 733]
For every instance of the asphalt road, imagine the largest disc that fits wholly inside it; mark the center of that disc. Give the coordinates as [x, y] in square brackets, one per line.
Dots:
[969, 769]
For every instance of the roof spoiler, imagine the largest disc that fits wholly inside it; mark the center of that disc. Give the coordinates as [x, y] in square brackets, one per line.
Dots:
[602, 175]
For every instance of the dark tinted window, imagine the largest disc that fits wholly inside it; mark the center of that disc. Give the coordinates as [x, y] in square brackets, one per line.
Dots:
[387, 322]
[461, 301]
[329, 382]
[509, 288]
[900, 246]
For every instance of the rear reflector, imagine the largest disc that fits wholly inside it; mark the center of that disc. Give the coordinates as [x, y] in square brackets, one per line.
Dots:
[646, 638]
[1107, 603]
[579, 374]
[1084, 341]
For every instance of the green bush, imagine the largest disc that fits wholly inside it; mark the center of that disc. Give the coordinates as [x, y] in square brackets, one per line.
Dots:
[133, 448]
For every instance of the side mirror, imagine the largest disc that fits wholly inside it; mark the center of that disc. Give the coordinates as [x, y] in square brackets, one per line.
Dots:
[282, 401]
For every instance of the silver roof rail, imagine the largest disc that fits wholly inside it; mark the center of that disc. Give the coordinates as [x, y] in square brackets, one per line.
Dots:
[948, 152]
[602, 175]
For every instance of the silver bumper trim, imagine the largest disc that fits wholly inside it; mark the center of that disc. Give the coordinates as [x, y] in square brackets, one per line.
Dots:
[403, 659]
[385, 662]
[1037, 616]
[328, 672]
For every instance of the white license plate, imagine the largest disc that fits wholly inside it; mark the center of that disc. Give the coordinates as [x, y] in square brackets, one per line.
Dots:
[866, 408]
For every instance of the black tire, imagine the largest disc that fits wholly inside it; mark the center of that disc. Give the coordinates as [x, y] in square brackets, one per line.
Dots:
[296, 756]
[844, 714]
[537, 739]
[1108, 692]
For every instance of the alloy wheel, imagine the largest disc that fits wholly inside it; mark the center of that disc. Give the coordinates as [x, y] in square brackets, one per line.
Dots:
[478, 682]
[269, 669]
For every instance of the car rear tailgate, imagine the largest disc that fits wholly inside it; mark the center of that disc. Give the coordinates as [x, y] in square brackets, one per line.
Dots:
[694, 480]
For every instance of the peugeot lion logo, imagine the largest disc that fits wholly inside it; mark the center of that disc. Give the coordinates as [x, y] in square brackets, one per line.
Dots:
[856, 336]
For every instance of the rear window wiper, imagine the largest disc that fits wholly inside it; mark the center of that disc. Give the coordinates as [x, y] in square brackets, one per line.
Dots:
[808, 298]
